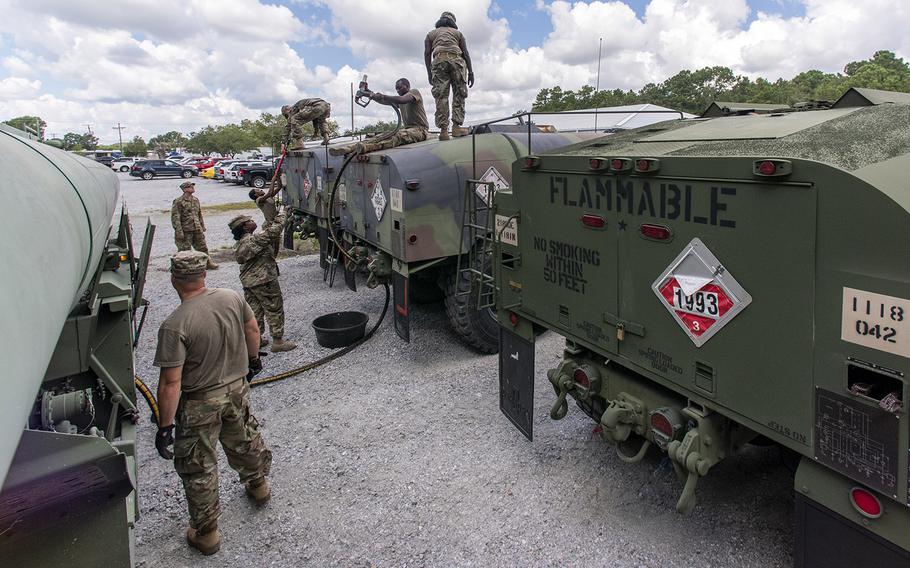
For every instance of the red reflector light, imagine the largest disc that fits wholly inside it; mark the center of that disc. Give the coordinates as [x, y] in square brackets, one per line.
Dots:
[644, 165]
[595, 221]
[412, 239]
[596, 164]
[767, 168]
[412, 184]
[866, 503]
[530, 162]
[658, 232]
[513, 318]
[616, 164]
[581, 377]
[661, 424]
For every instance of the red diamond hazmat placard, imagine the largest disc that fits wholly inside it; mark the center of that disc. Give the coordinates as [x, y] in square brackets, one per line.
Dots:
[699, 292]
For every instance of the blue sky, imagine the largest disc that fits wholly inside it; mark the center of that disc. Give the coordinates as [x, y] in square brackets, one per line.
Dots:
[158, 65]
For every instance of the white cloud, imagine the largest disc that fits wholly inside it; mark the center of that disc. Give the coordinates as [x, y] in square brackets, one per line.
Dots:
[158, 65]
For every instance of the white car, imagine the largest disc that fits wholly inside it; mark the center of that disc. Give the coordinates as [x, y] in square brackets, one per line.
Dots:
[231, 173]
[123, 164]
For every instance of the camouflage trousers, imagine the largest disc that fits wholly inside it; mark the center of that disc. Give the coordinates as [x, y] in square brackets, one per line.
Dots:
[268, 304]
[191, 239]
[403, 136]
[449, 72]
[201, 424]
[316, 113]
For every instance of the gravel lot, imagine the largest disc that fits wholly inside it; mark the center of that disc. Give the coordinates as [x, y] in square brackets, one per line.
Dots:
[397, 454]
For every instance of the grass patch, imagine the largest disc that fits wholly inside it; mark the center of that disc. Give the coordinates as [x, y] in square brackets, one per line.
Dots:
[223, 207]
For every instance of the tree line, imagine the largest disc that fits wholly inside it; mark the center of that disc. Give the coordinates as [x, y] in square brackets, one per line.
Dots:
[693, 91]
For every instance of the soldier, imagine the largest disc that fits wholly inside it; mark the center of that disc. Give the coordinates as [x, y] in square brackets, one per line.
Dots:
[448, 66]
[413, 118]
[316, 111]
[206, 349]
[259, 274]
[266, 204]
[189, 227]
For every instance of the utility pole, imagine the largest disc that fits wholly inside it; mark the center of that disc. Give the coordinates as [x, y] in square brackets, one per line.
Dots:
[352, 110]
[89, 126]
[597, 88]
[119, 130]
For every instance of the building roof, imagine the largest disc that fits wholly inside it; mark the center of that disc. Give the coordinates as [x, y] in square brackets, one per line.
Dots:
[723, 108]
[605, 119]
[858, 96]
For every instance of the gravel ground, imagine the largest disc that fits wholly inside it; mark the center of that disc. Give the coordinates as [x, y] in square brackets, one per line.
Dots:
[397, 454]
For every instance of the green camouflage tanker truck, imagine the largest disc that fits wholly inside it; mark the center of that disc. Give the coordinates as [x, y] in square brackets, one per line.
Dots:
[725, 281]
[68, 425]
[402, 212]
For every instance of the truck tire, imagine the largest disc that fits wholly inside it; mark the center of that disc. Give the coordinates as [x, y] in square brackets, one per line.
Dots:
[147, 175]
[186, 174]
[258, 182]
[478, 328]
[124, 168]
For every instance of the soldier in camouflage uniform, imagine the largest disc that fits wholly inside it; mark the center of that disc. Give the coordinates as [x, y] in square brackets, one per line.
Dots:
[303, 111]
[206, 350]
[259, 274]
[413, 119]
[189, 227]
[448, 67]
[267, 205]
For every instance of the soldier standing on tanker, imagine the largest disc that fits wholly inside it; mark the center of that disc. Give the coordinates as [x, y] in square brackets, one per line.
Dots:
[206, 349]
[448, 67]
[303, 111]
[189, 228]
[413, 118]
[259, 275]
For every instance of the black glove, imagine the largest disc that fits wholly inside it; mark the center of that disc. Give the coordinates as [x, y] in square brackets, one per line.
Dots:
[255, 368]
[163, 440]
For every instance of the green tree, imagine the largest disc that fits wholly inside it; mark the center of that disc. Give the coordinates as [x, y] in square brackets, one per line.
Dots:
[136, 147]
[168, 141]
[378, 126]
[88, 141]
[72, 141]
[33, 124]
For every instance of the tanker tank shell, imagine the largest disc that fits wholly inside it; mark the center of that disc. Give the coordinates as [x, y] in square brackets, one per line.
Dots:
[57, 208]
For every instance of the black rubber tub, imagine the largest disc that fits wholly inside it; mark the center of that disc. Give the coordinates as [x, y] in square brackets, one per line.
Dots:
[340, 329]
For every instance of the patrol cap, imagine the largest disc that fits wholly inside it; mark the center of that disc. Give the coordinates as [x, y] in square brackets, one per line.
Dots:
[186, 184]
[448, 15]
[238, 220]
[189, 262]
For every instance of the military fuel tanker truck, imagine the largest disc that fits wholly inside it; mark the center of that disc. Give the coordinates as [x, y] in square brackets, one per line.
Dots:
[726, 281]
[71, 289]
[402, 212]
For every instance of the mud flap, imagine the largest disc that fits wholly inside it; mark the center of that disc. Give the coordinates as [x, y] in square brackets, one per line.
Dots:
[350, 276]
[288, 241]
[400, 285]
[322, 235]
[516, 380]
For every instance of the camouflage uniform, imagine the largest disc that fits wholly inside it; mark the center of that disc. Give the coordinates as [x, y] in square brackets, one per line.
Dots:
[303, 111]
[214, 401]
[189, 228]
[449, 71]
[201, 424]
[415, 127]
[259, 273]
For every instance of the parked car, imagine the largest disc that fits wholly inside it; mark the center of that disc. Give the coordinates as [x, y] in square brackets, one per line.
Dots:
[257, 176]
[123, 164]
[231, 173]
[220, 167]
[106, 160]
[148, 169]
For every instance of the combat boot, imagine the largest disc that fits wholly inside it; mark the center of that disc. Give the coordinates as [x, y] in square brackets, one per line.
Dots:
[258, 491]
[444, 134]
[458, 131]
[263, 341]
[208, 543]
[210, 265]
[280, 344]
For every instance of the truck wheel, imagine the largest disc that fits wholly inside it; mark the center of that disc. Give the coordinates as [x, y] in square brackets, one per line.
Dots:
[147, 175]
[478, 327]
[124, 168]
[258, 182]
[186, 174]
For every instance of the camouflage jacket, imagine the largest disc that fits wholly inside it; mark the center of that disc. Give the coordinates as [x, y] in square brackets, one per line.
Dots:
[255, 252]
[186, 215]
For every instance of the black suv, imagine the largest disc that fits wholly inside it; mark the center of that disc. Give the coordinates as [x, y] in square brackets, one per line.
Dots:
[148, 169]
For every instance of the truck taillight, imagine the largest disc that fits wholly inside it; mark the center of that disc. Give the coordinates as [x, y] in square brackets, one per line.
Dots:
[513, 319]
[240, 172]
[647, 165]
[772, 168]
[620, 164]
[530, 162]
[581, 377]
[656, 232]
[597, 164]
[865, 503]
[593, 221]
[665, 424]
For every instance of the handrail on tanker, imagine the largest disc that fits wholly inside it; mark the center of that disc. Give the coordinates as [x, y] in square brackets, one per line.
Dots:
[530, 113]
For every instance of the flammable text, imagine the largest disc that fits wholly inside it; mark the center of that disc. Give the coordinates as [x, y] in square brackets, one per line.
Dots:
[644, 198]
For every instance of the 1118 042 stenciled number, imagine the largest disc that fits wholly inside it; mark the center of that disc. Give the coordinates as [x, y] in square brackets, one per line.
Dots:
[876, 320]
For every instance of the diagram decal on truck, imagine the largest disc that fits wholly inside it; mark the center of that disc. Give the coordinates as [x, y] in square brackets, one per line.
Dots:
[700, 294]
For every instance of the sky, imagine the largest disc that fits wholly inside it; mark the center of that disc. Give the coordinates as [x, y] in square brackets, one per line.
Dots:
[159, 65]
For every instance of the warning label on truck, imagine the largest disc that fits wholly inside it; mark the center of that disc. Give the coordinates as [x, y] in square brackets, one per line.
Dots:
[699, 292]
[876, 321]
[507, 230]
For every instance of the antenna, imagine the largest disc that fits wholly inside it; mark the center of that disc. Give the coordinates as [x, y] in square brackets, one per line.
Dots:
[597, 87]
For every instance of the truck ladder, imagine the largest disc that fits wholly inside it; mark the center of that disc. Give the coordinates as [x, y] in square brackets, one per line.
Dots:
[477, 219]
